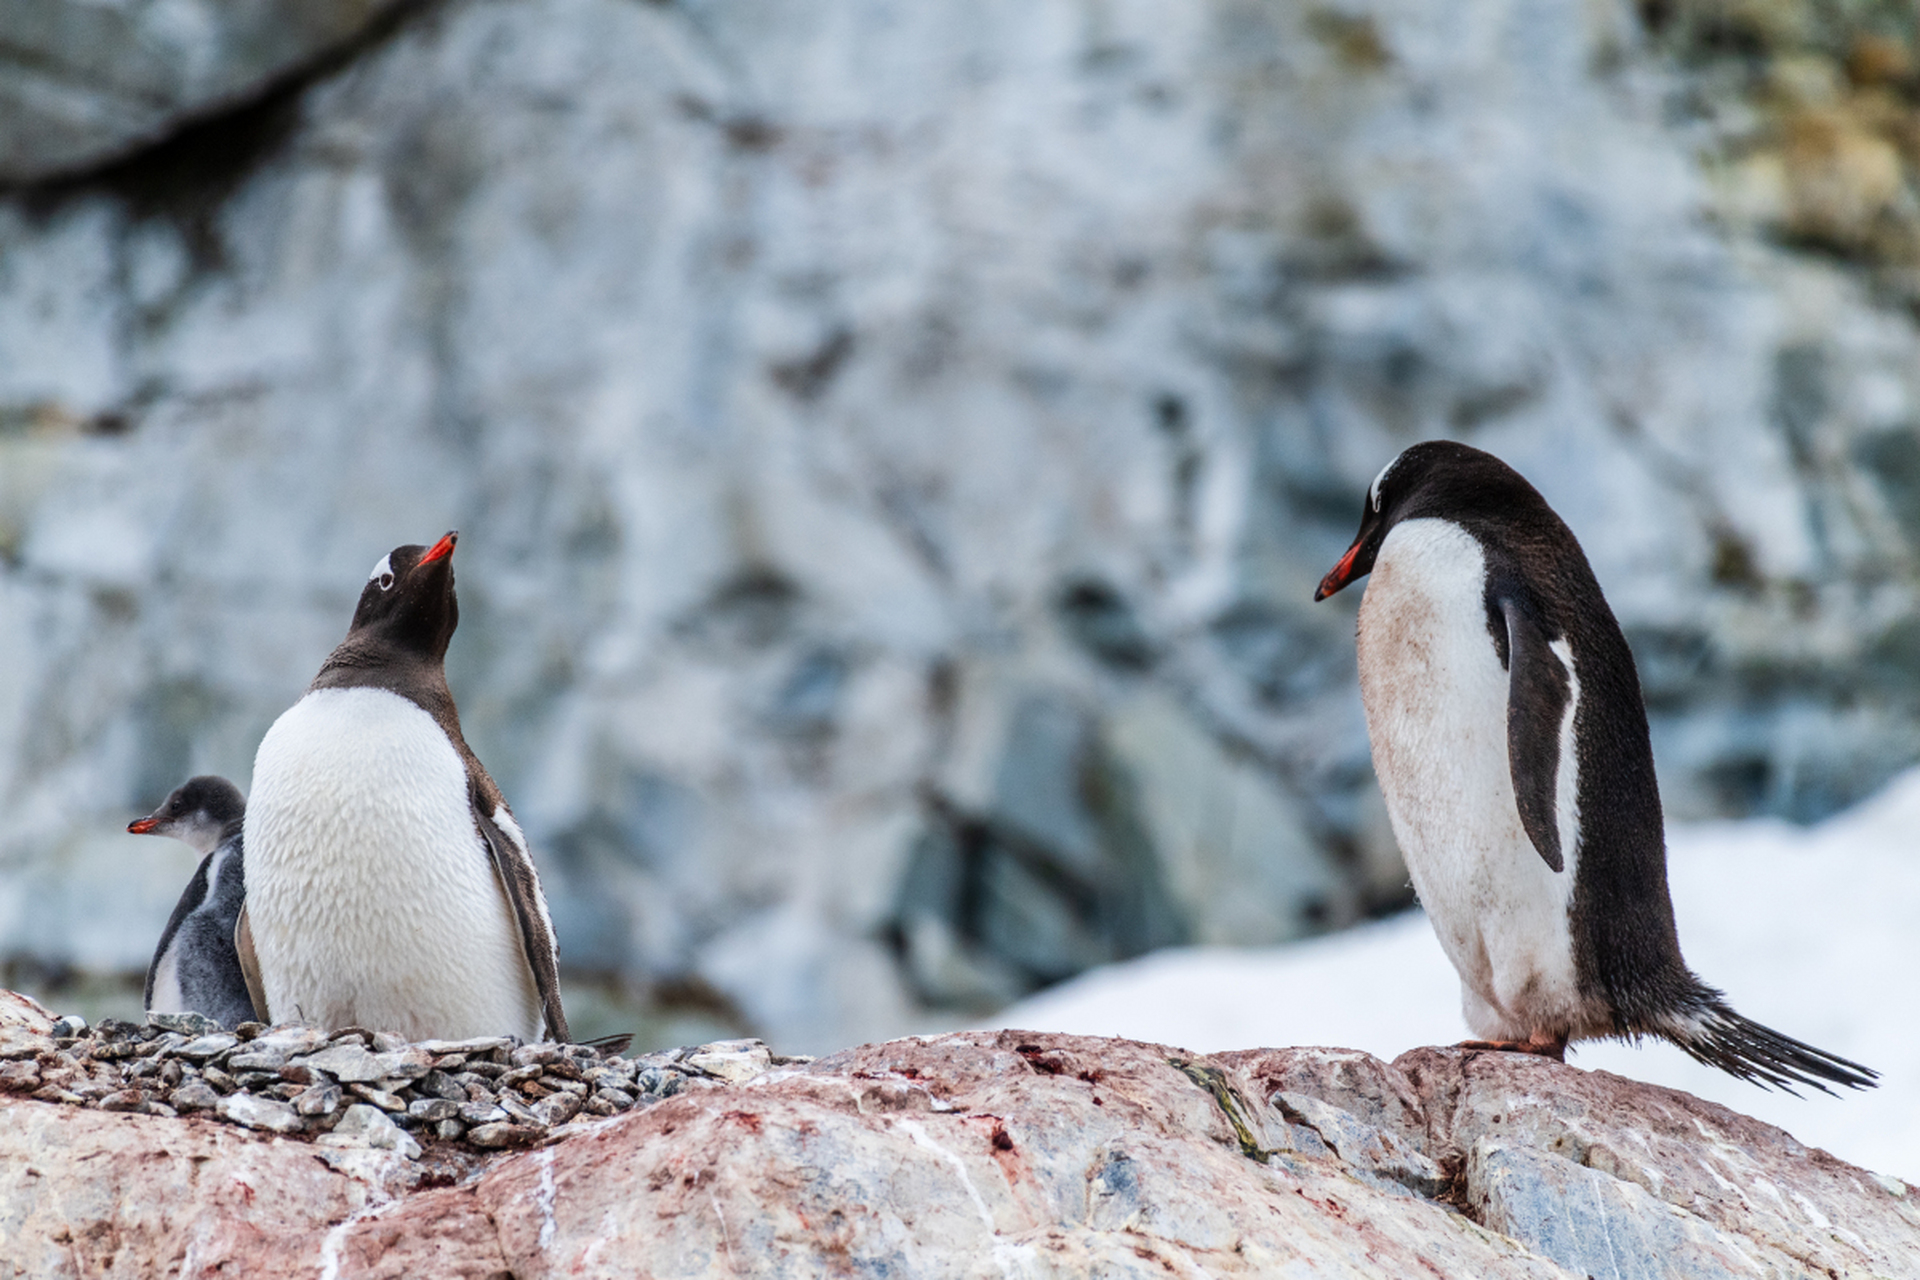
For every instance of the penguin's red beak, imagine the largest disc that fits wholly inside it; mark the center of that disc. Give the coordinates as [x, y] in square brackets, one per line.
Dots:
[440, 550]
[141, 826]
[1341, 574]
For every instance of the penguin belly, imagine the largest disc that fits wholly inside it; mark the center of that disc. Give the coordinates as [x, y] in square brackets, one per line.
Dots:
[371, 898]
[1436, 702]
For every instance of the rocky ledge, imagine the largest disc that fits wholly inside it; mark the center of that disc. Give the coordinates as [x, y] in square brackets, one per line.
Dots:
[351, 1087]
[974, 1154]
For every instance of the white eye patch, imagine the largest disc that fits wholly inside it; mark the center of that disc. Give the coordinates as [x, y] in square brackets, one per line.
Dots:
[1373, 493]
[383, 572]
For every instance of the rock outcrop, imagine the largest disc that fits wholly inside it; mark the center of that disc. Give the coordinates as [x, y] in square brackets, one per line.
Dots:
[896, 447]
[991, 1154]
[82, 85]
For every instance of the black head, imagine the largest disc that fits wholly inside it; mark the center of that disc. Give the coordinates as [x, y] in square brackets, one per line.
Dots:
[408, 604]
[1433, 478]
[200, 811]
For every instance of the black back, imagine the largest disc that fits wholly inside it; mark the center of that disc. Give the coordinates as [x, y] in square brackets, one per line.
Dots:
[1539, 584]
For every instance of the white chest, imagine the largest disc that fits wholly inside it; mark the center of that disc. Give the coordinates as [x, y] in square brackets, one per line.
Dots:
[1436, 701]
[371, 897]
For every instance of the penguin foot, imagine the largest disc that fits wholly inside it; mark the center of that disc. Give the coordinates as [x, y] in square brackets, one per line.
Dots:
[1540, 1044]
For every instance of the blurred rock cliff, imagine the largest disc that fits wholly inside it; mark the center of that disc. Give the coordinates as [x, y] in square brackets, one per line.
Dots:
[894, 444]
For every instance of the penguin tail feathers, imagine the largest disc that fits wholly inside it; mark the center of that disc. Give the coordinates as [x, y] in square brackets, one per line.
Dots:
[1713, 1033]
[610, 1046]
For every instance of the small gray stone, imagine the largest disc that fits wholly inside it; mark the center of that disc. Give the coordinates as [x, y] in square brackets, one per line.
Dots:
[519, 1110]
[480, 1044]
[732, 1060]
[206, 1046]
[260, 1113]
[493, 1136]
[194, 1095]
[352, 1064]
[438, 1084]
[368, 1126]
[123, 1100]
[380, 1098]
[482, 1113]
[319, 1100]
[618, 1098]
[256, 1057]
[449, 1130]
[289, 1041]
[557, 1109]
[219, 1079]
[537, 1055]
[188, 1024]
[432, 1110]
[387, 1042]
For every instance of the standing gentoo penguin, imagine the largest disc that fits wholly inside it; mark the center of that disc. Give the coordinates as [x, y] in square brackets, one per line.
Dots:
[388, 885]
[195, 968]
[1511, 742]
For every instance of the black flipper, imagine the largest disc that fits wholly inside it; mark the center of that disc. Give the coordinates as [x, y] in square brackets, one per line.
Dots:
[190, 900]
[522, 885]
[1538, 690]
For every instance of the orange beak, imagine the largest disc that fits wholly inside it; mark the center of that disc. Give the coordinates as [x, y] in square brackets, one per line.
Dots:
[1340, 575]
[440, 550]
[141, 826]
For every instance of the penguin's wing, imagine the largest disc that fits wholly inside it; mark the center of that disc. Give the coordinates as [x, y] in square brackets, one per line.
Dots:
[250, 966]
[514, 863]
[1539, 695]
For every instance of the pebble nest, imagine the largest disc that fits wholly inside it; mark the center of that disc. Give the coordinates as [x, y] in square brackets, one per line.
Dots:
[353, 1087]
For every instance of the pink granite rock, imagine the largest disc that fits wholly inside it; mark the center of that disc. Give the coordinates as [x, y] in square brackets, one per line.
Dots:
[988, 1154]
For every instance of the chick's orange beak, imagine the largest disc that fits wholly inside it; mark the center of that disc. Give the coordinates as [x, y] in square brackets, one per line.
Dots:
[141, 826]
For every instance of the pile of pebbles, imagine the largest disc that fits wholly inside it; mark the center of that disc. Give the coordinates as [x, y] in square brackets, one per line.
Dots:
[355, 1088]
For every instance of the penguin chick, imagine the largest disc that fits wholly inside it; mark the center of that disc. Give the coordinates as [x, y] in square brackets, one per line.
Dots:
[195, 967]
[390, 886]
[1511, 743]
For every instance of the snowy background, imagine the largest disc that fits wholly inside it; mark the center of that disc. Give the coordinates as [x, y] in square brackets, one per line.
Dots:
[894, 444]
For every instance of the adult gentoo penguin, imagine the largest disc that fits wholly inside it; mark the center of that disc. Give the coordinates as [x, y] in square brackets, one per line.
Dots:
[1511, 741]
[195, 968]
[389, 886]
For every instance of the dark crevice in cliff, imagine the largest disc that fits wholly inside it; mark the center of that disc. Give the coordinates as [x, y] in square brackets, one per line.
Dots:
[189, 172]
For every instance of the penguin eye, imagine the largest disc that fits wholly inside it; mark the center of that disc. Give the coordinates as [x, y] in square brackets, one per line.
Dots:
[383, 573]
